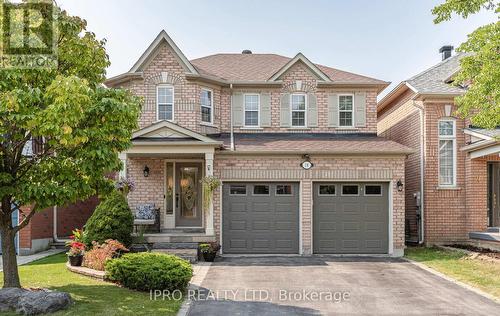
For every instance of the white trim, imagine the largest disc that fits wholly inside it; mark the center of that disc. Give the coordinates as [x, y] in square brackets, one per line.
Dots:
[339, 110]
[306, 61]
[157, 108]
[453, 138]
[163, 36]
[477, 134]
[292, 110]
[485, 151]
[212, 108]
[245, 111]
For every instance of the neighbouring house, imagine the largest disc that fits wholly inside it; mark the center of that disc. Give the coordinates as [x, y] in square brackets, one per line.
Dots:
[50, 226]
[294, 144]
[453, 177]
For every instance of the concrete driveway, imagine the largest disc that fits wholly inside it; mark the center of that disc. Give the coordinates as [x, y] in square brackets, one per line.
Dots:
[331, 286]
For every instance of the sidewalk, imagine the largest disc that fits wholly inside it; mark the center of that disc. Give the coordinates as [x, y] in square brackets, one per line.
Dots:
[27, 259]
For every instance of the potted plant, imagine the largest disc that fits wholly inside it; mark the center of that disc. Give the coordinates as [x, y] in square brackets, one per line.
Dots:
[209, 185]
[125, 186]
[75, 253]
[209, 251]
[139, 244]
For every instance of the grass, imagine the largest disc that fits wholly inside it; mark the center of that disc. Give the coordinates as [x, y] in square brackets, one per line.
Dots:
[92, 297]
[482, 274]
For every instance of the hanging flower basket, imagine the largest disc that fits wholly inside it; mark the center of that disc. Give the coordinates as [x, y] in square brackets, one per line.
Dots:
[210, 184]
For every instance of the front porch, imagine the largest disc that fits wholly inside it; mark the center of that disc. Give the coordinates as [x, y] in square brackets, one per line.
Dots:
[167, 163]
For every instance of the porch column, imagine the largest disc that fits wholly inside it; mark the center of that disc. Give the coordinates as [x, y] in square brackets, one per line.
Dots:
[209, 171]
[123, 158]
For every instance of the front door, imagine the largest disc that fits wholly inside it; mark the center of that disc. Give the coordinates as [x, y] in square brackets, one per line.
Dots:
[494, 194]
[188, 205]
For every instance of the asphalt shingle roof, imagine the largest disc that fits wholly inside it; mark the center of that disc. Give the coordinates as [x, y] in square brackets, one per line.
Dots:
[261, 67]
[433, 80]
[313, 143]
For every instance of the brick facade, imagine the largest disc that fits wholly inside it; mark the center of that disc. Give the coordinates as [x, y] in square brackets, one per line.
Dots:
[449, 213]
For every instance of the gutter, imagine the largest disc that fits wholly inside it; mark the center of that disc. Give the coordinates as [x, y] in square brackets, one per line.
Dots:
[422, 170]
[54, 234]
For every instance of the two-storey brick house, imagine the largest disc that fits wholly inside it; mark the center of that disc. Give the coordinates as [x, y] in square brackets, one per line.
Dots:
[294, 144]
[453, 177]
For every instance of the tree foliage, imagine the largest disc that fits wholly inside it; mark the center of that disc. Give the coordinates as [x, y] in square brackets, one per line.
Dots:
[82, 124]
[480, 68]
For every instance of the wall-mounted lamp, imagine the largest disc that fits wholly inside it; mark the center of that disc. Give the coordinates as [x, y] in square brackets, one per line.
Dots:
[399, 184]
[146, 171]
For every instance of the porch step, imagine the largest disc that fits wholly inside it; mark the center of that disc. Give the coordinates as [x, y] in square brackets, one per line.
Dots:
[58, 245]
[177, 238]
[183, 230]
[493, 230]
[188, 254]
[175, 245]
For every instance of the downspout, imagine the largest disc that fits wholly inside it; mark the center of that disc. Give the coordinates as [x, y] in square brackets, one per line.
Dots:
[54, 235]
[422, 169]
[231, 115]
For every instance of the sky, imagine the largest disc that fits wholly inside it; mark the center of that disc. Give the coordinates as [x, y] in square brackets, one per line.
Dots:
[390, 40]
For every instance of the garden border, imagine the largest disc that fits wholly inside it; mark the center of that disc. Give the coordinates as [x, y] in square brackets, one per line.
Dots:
[95, 274]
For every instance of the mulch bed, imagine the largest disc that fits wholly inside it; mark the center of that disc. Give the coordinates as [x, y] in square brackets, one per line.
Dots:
[482, 251]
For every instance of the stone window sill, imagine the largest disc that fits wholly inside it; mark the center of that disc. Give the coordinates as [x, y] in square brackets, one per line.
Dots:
[252, 128]
[454, 188]
[208, 124]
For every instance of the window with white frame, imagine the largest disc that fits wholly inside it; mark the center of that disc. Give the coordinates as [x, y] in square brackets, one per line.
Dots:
[298, 107]
[346, 110]
[447, 152]
[206, 106]
[252, 106]
[165, 102]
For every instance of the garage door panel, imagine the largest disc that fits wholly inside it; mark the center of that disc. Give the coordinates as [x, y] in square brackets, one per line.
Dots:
[238, 225]
[361, 225]
[272, 221]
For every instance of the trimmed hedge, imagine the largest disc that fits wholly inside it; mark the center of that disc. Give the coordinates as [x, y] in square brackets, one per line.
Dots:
[112, 219]
[150, 271]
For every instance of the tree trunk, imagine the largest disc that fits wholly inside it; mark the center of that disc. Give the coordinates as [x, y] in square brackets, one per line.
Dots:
[9, 259]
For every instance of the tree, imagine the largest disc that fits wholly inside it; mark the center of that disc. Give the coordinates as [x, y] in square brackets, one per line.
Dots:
[83, 126]
[480, 68]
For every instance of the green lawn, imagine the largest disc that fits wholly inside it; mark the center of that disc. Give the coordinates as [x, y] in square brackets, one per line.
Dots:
[92, 297]
[481, 274]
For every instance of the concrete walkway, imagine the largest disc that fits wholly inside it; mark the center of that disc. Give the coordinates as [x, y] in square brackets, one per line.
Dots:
[27, 259]
[331, 286]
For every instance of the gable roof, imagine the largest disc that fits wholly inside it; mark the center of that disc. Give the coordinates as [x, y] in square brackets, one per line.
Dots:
[300, 58]
[160, 38]
[165, 130]
[436, 80]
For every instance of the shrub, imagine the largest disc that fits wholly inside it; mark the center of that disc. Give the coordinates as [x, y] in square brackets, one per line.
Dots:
[97, 257]
[112, 219]
[150, 271]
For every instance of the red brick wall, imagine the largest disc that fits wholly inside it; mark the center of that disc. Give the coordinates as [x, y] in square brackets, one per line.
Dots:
[74, 216]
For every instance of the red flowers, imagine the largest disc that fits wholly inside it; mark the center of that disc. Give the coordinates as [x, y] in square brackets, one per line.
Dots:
[76, 248]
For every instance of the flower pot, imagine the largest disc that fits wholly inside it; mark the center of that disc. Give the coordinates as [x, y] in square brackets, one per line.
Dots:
[139, 248]
[75, 261]
[209, 256]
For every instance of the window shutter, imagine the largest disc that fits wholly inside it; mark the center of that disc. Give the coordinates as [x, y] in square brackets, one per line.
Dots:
[265, 110]
[312, 110]
[285, 110]
[333, 110]
[360, 109]
[237, 109]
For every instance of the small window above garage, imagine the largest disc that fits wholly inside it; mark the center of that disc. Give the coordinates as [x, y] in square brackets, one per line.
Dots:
[350, 190]
[283, 189]
[236, 189]
[327, 189]
[373, 190]
[260, 189]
